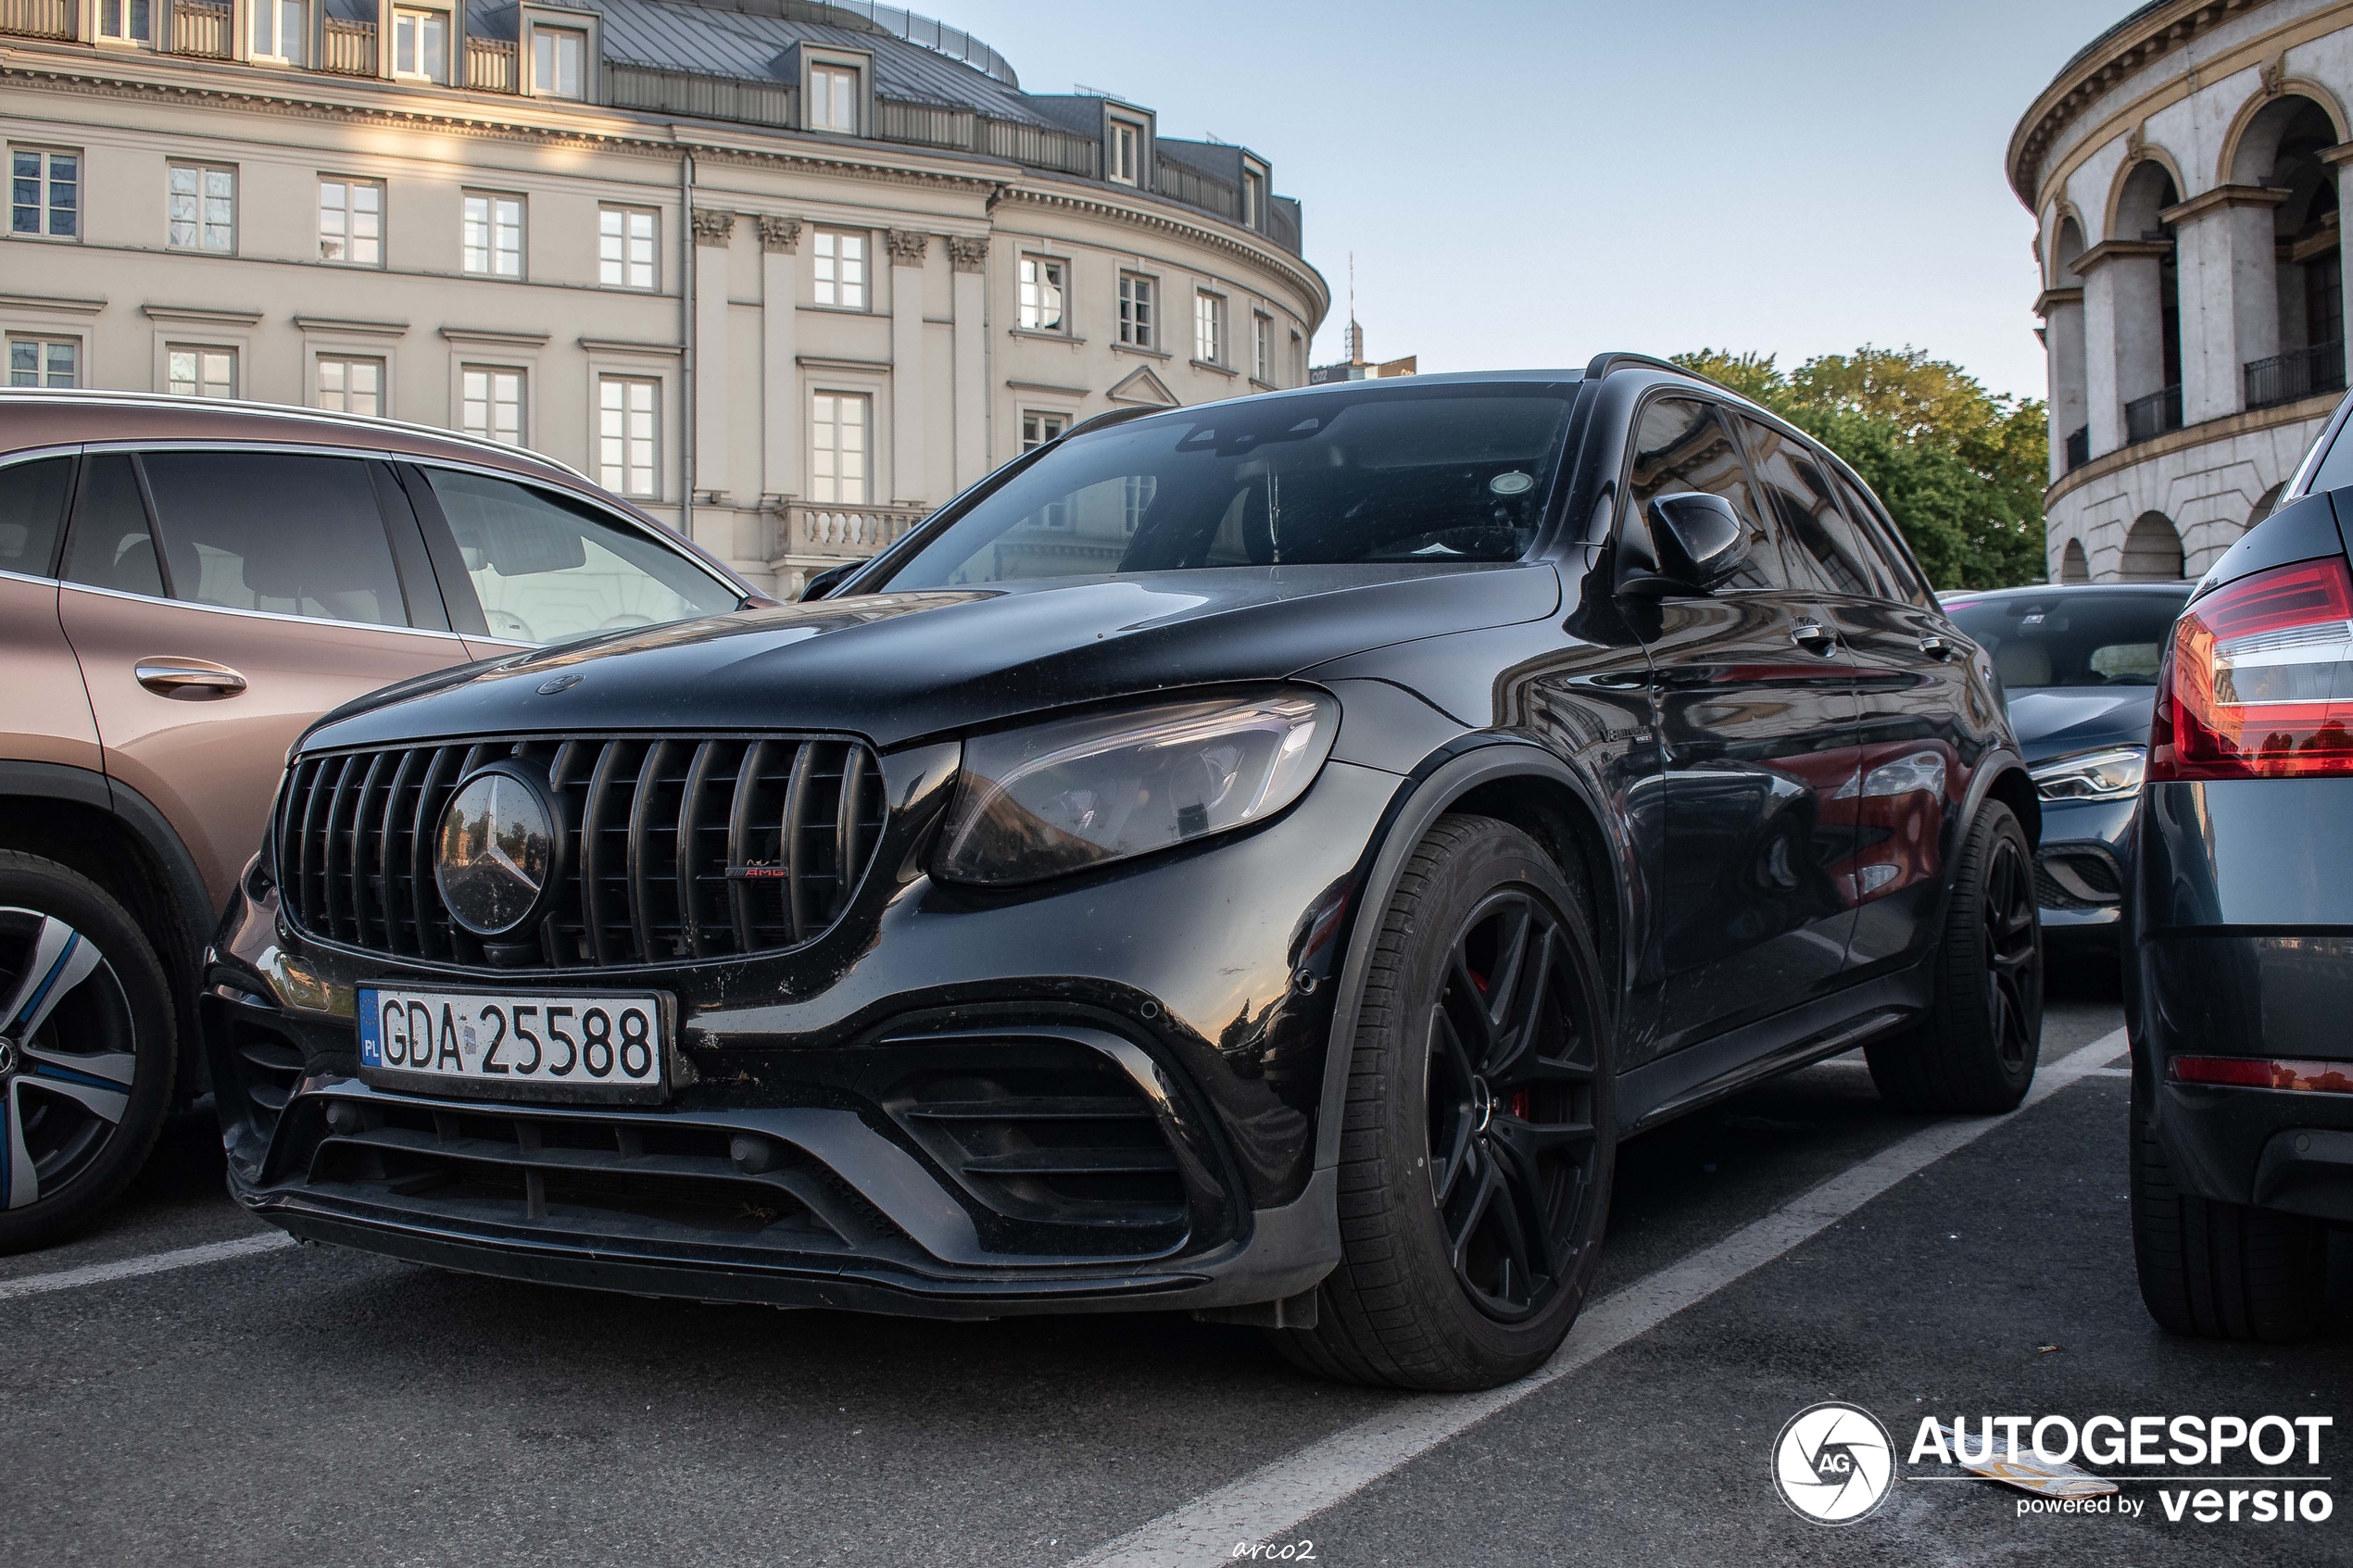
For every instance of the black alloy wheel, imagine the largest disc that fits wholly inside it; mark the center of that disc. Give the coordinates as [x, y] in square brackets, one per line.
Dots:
[1479, 1133]
[1976, 1049]
[86, 1049]
[1510, 1099]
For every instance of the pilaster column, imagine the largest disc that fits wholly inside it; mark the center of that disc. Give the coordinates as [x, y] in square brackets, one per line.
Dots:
[714, 232]
[2123, 333]
[969, 255]
[907, 376]
[781, 417]
[2341, 156]
[2229, 289]
[2062, 313]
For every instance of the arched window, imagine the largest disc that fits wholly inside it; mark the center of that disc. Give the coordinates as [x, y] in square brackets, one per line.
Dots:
[2262, 507]
[2146, 304]
[2152, 551]
[2279, 148]
[2074, 565]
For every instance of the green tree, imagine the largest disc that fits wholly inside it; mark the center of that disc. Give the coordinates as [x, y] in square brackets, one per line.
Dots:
[1960, 469]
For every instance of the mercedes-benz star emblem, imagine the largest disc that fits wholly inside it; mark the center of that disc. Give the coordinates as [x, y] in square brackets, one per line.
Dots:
[496, 848]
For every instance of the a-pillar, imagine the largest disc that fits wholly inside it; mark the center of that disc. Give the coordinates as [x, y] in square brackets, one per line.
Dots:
[969, 255]
[2230, 285]
[781, 420]
[2062, 313]
[2123, 333]
[714, 232]
[907, 251]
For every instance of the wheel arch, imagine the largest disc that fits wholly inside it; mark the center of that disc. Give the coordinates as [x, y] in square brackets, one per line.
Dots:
[1514, 781]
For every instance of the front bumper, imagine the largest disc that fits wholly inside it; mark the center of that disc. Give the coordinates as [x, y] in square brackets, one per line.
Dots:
[2079, 873]
[1095, 1095]
[2244, 948]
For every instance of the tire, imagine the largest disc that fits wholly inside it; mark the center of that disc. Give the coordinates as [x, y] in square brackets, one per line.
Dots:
[1977, 1049]
[88, 1047]
[1432, 1153]
[2210, 1270]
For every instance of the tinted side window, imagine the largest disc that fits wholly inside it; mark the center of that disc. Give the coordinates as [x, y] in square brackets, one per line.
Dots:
[275, 531]
[1871, 526]
[1683, 445]
[112, 545]
[32, 511]
[1821, 544]
[546, 570]
[2336, 468]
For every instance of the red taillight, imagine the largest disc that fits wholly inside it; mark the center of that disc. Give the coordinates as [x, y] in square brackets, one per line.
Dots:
[2255, 1072]
[2258, 681]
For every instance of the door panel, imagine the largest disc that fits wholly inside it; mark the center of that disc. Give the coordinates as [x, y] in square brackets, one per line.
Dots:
[46, 709]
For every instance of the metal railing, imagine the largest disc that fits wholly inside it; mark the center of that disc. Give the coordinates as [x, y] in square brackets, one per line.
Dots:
[2148, 417]
[348, 48]
[2079, 447]
[924, 125]
[491, 65]
[2297, 374]
[1040, 146]
[842, 532]
[37, 18]
[1183, 182]
[204, 29]
[632, 86]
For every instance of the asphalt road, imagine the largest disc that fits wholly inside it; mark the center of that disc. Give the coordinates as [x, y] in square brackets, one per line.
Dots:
[314, 1406]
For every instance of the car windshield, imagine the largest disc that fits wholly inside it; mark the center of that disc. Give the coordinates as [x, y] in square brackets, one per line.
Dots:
[1433, 475]
[2086, 638]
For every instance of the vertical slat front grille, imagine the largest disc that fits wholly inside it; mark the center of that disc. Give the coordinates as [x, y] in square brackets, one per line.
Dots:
[673, 849]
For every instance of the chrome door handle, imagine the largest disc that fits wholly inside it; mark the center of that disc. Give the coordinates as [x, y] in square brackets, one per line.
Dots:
[188, 680]
[1815, 638]
[1937, 648]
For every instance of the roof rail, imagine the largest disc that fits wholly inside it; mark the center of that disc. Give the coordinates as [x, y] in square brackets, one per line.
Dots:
[1107, 417]
[1604, 363]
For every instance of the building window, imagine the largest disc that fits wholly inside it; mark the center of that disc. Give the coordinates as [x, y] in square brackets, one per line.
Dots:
[1136, 493]
[1298, 360]
[626, 247]
[201, 372]
[1262, 347]
[204, 207]
[627, 434]
[351, 386]
[1039, 429]
[281, 30]
[494, 235]
[45, 193]
[1208, 327]
[833, 99]
[45, 361]
[351, 223]
[421, 44]
[841, 269]
[490, 404]
[1254, 199]
[130, 21]
[557, 55]
[1041, 294]
[838, 424]
[1135, 310]
[1127, 152]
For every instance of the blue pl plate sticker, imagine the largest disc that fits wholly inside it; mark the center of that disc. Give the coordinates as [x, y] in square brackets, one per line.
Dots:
[371, 1023]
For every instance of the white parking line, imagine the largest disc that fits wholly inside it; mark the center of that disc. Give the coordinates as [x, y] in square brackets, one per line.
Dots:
[1273, 1499]
[151, 1263]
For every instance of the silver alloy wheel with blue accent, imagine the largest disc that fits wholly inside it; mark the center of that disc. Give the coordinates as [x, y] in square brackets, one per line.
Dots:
[86, 1048]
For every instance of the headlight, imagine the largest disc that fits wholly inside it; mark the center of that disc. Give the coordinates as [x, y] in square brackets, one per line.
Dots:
[1075, 793]
[2113, 774]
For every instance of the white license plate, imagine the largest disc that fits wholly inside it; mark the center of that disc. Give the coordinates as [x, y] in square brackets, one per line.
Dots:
[606, 1046]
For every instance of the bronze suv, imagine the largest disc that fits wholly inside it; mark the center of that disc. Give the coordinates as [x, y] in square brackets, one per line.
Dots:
[185, 588]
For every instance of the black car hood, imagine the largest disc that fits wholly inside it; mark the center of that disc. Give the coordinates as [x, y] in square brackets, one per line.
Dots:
[900, 667]
[2061, 721]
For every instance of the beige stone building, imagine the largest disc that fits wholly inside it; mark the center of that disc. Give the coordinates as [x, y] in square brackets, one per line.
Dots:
[789, 274]
[2185, 169]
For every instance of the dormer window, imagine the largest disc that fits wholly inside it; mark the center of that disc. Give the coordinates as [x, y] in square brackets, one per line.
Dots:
[1127, 152]
[127, 22]
[559, 62]
[1253, 197]
[281, 30]
[421, 45]
[833, 99]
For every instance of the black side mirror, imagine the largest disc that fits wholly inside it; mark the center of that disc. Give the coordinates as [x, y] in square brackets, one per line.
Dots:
[1700, 540]
[826, 581]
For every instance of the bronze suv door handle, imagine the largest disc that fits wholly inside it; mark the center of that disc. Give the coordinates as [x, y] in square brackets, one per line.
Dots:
[188, 680]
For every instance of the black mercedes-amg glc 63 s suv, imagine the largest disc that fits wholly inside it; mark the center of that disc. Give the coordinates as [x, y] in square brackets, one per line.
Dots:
[1256, 858]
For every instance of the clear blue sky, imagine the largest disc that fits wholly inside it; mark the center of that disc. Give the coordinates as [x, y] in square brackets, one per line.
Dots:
[1526, 184]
